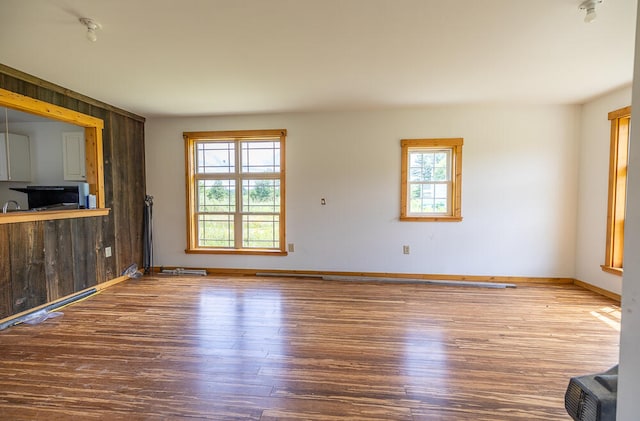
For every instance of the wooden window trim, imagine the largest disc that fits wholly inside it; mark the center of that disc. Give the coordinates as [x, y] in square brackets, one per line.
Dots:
[616, 203]
[191, 138]
[94, 161]
[455, 145]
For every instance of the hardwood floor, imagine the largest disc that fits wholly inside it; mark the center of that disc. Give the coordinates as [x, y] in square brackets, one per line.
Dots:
[284, 349]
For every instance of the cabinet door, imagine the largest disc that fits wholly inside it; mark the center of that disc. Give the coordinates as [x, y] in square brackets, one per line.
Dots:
[19, 168]
[4, 173]
[73, 156]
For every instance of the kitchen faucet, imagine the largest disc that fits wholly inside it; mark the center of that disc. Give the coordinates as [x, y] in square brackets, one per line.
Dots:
[6, 205]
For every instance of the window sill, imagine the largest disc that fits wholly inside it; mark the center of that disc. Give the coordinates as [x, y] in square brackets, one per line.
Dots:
[29, 216]
[260, 252]
[430, 218]
[611, 269]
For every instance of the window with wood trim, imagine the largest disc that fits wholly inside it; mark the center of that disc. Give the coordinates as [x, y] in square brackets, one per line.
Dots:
[431, 180]
[235, 191]
[616, 205]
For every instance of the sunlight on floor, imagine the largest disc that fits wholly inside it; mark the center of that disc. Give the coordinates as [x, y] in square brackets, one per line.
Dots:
[609, 315]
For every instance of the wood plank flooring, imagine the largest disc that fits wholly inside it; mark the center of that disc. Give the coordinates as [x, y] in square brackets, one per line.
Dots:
[170, 348]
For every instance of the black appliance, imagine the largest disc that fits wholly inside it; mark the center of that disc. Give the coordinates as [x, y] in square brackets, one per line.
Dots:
[52, 197]
[593, 397]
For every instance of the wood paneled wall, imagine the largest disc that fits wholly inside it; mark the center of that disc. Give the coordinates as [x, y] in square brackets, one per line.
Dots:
[45, 260]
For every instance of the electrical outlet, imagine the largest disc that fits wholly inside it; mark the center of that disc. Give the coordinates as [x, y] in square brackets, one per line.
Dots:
[405, 249]
[107, 252]
[290, 247]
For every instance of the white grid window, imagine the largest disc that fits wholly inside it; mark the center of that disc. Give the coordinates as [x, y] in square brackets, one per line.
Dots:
[236, 197]
[431, 179]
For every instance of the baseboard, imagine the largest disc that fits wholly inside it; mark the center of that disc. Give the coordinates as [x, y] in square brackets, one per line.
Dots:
[98, 287]
[431, 277]
[598, 290]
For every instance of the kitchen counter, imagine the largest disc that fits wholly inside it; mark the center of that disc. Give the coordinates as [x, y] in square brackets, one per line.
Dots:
[46, 215]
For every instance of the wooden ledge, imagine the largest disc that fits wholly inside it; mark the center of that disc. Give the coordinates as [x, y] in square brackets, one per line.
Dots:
[28, 216]
[611, 269]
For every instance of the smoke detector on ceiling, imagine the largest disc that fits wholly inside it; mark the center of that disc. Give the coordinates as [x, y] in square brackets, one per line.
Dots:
[590, 7]
[92, 27]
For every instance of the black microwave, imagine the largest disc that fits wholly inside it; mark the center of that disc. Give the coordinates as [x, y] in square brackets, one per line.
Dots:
[51, 197]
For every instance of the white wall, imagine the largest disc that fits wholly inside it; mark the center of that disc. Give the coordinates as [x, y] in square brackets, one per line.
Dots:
[595, 135]
[629, 381]
[519, 191]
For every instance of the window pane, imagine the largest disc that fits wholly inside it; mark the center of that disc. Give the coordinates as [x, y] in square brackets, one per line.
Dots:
[429, 198]
[216, 196]
[215, 230]
[441, 191]
[441, 166]
[260, 157]
[261, 231]
[261, 196]
[421, 166]
[440, 205]
[215, 157]
[421, 199]
[429, 165]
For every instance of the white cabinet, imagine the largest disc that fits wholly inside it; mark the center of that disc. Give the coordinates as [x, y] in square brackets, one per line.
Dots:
[73, 156]
[15, 158]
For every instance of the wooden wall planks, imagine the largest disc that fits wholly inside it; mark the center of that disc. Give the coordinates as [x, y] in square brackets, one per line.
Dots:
[6, 294]
[26, 257]
[42, 261]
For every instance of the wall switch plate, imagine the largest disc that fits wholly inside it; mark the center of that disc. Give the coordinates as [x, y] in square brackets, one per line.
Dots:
[290, 248]
[405, 249]
[107, 252]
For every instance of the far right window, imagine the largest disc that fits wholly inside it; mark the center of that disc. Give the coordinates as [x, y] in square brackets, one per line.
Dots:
[616, 205]
[431, 180]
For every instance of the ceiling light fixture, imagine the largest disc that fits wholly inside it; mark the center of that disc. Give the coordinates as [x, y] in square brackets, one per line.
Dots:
[590, 7]
[92, 26]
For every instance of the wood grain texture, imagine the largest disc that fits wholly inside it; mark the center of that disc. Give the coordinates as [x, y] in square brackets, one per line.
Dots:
[6, 293]
[27, 265]
[19, 217]
[298, 349]
[124, 192]
[58, 259]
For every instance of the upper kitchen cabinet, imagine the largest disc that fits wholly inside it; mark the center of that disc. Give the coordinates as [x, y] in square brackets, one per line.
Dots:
[73, 156]
[15, 157]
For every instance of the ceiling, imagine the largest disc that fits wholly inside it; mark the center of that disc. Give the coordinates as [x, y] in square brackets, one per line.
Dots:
[209, 57]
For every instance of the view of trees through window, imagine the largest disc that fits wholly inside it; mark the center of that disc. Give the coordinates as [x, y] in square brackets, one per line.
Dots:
[237, 193]
[429, 181]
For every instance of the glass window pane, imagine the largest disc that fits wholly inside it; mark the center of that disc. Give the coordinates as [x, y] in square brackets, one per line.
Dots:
[261, 231]
[441, 166]
[215, 230]
[216, 196]
[440, 206]
[215, 157]
[421, 200]
[421, 166]
[261, 157]
[441, 191]
[428, 198]
[261, 196]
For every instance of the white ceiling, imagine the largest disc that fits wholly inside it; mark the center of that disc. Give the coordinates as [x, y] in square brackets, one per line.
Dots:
[204, 57]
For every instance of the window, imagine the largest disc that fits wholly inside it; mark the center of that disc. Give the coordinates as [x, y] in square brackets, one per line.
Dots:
[235, 192]
[431, 180]
[616, 205]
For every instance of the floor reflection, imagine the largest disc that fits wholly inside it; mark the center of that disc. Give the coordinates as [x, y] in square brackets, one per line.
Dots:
[426, 360]
[237, 329]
